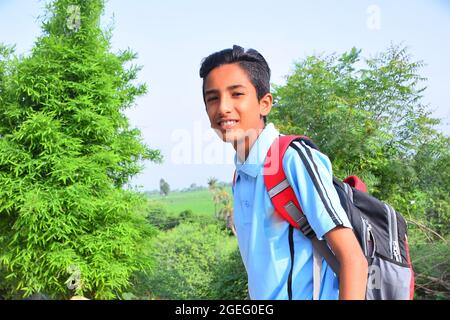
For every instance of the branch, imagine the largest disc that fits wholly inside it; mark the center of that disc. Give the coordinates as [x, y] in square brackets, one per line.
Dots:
[425, 228]
[437, 281]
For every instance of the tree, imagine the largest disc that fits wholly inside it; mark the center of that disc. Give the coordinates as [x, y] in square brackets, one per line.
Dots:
[193, 187]
[212, 186]
[368, 117]
[225, 213]
[223, 199]
[164, 187]
[66, 152]
[212, 183]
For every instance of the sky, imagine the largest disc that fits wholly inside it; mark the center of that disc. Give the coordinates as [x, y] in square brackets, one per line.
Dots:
[171, 38]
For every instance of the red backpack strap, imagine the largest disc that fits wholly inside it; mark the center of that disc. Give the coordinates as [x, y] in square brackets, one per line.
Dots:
[280, 192]
[286, 204]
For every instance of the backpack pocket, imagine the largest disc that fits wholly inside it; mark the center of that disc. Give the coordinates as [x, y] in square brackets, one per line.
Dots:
[388, 280]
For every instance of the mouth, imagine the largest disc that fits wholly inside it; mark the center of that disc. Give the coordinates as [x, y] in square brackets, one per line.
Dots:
[227, 124]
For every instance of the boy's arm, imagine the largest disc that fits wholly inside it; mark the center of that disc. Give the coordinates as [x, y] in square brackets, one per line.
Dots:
[320, 203]
[353, 271]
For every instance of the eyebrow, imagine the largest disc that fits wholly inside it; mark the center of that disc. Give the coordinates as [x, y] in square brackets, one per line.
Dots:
[235, 86]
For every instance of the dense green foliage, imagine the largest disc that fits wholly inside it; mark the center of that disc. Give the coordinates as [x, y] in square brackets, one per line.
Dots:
[196, 261]
[371, 122]
[432, 266]
[66, 152]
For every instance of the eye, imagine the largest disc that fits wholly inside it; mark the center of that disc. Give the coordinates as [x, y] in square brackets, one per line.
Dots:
[235, 94]
[211, 99]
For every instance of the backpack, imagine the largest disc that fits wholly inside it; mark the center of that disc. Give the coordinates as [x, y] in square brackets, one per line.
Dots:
[380, 230]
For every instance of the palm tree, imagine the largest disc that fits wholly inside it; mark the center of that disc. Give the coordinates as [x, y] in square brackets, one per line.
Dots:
[212, 186]
[222, 197]
[226, 212]
[212, 183]
[217, 198]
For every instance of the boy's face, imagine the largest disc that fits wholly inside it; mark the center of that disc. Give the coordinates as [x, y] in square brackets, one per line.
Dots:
[232, 105]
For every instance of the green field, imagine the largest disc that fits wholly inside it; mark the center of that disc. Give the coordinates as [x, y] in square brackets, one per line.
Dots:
[200, 202]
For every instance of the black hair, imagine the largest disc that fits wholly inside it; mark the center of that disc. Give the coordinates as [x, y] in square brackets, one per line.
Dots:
[251, 61]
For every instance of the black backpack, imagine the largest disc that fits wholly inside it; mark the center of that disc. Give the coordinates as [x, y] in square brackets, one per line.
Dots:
[380, 230]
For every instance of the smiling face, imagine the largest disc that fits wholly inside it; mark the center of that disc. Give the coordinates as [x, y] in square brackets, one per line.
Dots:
[233, 107]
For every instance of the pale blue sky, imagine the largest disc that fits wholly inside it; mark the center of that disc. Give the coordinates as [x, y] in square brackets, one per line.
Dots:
[171, 37]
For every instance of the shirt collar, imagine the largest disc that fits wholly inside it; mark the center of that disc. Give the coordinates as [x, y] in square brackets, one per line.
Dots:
[255, 160]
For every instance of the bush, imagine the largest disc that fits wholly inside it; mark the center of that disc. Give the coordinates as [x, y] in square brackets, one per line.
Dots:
[230, 279]
[431, 265]
[187, 215]
[196, 261]
[159, 216]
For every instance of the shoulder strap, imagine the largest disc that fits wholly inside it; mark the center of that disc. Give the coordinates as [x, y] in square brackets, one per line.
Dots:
[280, 192]
[284, 199]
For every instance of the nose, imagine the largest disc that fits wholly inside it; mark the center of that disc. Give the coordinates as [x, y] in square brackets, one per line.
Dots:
[225, 105]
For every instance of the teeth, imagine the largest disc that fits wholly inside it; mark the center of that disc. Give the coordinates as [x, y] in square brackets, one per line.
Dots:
[229, 122]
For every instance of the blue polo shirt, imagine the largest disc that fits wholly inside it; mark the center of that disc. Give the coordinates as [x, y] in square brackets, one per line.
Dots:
[263, 235]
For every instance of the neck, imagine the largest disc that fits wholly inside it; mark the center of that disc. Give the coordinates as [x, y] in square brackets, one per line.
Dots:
[244, 145]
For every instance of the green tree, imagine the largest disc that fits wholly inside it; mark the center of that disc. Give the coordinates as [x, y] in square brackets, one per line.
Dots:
[212, 186]
[66, 152]
[368, 117]
[222, 197]
[164, 187]
[212, 183]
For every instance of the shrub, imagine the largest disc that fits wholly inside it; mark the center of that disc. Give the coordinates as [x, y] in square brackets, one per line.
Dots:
[196, 261]
[230, 279]
[431, 265]
[159, 216]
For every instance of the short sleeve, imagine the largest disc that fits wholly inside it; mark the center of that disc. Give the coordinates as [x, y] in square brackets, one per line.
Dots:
[310, 174]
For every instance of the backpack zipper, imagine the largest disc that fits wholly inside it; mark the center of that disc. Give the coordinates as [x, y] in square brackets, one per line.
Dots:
[364, 234]
[374, 243]
[367, 237]
[393, 234]
[371, 236]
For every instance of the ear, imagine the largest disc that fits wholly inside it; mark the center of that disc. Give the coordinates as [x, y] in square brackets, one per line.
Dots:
[265, 104]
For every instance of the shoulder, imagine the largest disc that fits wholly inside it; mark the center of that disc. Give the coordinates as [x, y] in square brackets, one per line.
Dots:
[299, 153]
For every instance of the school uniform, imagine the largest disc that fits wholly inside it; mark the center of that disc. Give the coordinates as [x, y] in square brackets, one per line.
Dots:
[263, 236]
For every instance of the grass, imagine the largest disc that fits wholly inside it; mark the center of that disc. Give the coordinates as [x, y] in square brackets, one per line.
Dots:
[200, 201]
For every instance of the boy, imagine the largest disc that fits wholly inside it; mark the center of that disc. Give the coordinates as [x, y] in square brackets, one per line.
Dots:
[279, 264]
